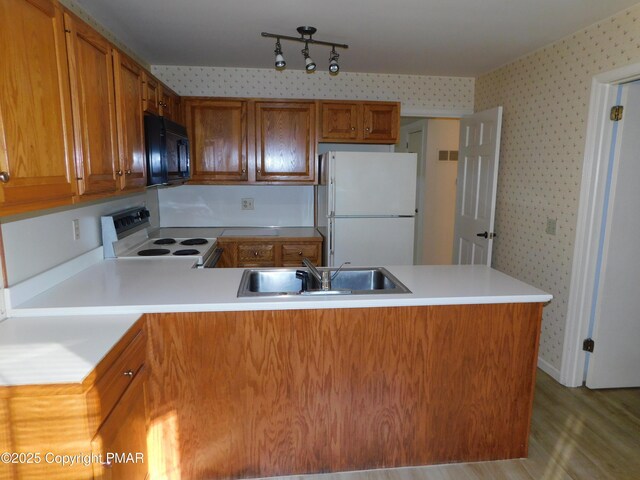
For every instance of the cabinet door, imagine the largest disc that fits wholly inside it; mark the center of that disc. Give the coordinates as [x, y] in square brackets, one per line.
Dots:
[93, 102]
[285, 142]
[36, 141]
[169, 105]
[381, 122]
[124, 433]
[151, 94]
[339, 121]
[128, 78]
[218, 137]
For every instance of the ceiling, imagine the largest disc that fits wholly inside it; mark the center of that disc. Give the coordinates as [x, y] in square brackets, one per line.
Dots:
[424, 37]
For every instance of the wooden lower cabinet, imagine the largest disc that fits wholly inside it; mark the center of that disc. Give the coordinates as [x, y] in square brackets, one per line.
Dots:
[254, 252]
[104, 414]
[261, 393]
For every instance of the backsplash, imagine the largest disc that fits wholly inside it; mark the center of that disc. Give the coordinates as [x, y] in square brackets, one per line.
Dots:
[36, 244]
[545, 97]
[220, 205]
[417, 93]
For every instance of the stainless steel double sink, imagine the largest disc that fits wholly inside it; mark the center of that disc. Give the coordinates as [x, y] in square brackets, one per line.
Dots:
[347, 281]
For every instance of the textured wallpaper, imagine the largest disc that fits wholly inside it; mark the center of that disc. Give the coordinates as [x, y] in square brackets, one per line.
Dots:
[417, 93]
[546, 99]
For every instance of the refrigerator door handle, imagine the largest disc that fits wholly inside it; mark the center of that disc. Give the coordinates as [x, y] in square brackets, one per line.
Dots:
[332, 236]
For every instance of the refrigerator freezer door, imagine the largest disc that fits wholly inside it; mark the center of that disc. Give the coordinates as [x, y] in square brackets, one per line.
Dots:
[373, 183]
[370, 241]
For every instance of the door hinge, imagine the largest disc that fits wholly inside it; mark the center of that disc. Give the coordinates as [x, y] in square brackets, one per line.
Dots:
[588, 345]
[616, 113]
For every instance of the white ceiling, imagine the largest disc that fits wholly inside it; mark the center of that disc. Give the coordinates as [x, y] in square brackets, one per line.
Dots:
[426, 37]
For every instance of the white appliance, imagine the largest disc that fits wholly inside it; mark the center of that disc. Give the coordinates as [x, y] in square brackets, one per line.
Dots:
[366, 207]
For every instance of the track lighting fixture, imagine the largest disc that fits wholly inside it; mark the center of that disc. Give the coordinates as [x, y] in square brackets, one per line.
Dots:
[306, 37]
[280, 63]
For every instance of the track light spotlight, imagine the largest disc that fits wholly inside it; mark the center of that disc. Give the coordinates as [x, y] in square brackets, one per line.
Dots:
[280, 63]
[334, 68]
[309, 64]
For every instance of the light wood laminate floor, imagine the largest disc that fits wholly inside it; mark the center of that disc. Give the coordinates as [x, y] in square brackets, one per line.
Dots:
[576, 434]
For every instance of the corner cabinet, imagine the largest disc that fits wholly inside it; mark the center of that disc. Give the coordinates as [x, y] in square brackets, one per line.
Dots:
[36, 138]
[359, 122]
[129, 109]
[285, 142]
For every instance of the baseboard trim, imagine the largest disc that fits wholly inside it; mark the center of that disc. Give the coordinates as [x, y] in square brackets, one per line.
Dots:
[549, 369]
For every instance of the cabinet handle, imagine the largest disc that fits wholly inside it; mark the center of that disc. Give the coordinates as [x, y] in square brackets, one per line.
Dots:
[119, 173]
[128, 373]
[5, 177]
[128, 172]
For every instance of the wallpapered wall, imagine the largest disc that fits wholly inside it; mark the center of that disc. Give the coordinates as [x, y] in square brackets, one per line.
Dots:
[545, 97]
[417, 93]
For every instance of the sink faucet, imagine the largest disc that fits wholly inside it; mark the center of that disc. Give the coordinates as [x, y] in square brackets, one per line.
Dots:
[323, 277]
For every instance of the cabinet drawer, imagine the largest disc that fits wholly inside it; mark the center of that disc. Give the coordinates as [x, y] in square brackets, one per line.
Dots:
[108, 388]
[255, 253]
[295, 252]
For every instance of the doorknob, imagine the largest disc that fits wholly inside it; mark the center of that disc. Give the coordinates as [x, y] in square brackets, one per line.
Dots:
[487, 235]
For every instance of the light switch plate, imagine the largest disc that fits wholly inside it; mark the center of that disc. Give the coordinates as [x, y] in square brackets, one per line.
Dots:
[551, 226]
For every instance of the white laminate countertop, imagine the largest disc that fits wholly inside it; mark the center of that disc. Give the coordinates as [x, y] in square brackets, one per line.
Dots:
[125, 286]
[54, 349]
[240, 232]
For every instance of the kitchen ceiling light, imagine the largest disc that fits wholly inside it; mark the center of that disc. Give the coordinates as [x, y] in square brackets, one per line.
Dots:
[309, 65]
[334, 68]
[306, 37]
[280, 63]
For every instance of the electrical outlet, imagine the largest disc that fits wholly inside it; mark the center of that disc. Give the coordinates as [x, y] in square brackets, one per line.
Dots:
[551, 226]
[76, 228]
[247, 204]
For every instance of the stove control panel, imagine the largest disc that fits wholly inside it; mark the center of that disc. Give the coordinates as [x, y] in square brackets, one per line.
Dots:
[129, 219]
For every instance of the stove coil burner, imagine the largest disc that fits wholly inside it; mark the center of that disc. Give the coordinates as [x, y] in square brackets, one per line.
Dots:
[187, 251]
[154, 252]
[165, 241]
[194, 241]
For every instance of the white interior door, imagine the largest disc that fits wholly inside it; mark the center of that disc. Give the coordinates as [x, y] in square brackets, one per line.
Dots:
[615, 360]
[476, 187]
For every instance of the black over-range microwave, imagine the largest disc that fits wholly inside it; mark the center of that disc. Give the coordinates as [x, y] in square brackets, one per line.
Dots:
[167, 149]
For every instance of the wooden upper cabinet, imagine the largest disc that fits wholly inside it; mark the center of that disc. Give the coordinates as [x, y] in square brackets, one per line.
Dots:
[170, 105]
[151, 94]
[218, 137]
[381, 122]
[359, 122]
[339, 121]
[93, 104]
[36, 140]
[285, 139]
[130, 121]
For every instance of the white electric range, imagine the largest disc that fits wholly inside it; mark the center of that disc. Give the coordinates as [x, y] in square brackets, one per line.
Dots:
[125, 235]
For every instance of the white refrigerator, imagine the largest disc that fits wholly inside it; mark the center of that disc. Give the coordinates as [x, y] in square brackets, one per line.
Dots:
[366, 207]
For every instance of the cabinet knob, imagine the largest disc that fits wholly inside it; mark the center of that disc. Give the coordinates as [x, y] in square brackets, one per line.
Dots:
[244, 170]
[300, 253]
[107, 464]
[353, 129]
[367, 129]
[128, 172]
[255, 254]
[128, 373]
[5, 177]
[119, 173]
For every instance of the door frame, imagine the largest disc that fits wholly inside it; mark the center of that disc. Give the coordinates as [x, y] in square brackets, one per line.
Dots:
[588, 228]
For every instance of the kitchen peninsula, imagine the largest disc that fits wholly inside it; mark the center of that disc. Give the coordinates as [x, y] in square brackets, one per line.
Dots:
[246, 387]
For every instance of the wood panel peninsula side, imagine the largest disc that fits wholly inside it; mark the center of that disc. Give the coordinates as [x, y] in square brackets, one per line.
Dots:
[279, 392]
